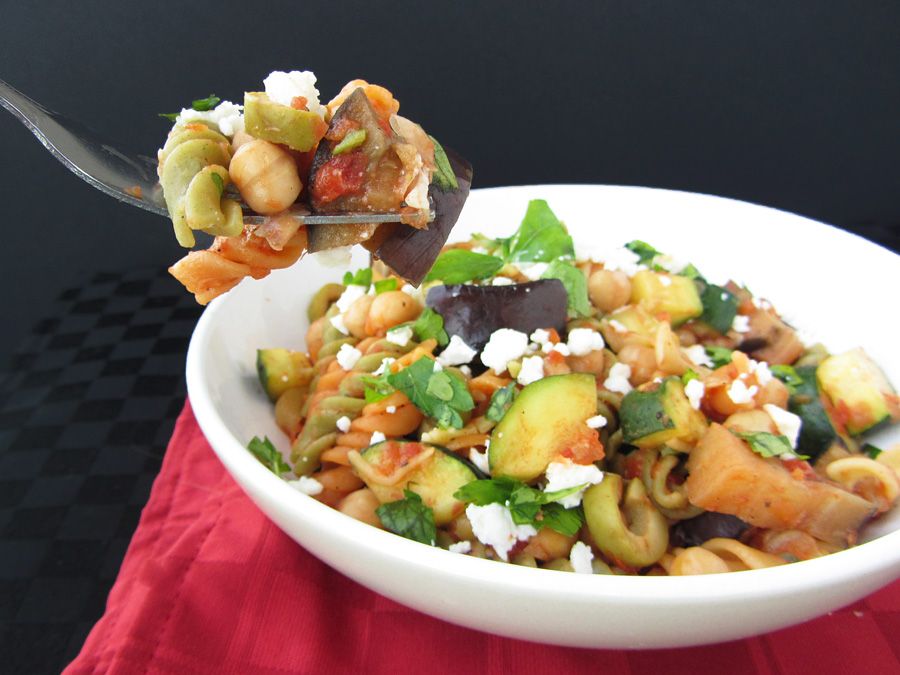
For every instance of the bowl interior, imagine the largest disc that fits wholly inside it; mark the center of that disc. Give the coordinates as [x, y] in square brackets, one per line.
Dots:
[829, 284]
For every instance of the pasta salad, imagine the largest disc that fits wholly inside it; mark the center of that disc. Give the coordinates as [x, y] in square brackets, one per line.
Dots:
[244, 173]
[616, 416]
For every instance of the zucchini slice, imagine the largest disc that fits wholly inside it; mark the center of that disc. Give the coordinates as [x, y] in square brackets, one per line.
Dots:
[651, 418]
[667, 294]
[281, 369]
[432, 472]
[546, 421]
[858, 390]
[817, 433]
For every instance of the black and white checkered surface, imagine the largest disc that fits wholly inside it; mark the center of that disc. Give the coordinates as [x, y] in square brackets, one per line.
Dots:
[87, 406]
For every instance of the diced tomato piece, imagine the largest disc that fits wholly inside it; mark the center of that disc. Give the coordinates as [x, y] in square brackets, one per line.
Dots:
[397, 455]
[299, 103]
[584, 449]
[339, 176]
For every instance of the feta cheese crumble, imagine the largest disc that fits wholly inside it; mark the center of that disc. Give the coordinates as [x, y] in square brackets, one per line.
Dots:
[502, 281]
[622, 259]
[385, 364]
[581, 556]
[343, 424]
[762, 372]
[377, 437]
[582, 341]
[283, 87]
[697, 354]
[617, 380]
[567, 474]
[400, 336]
[460, 547]
[741, 323]
[227, 116]
[741, 393]
[504, 345]
[787, 423]
[351, 294]
[493, 526]
[665, 280]
[338, 322]
[532, 370]
[695, 390]
[480, 460]
[456, 353]
[306, 485]
[596, 422]
[347, 356]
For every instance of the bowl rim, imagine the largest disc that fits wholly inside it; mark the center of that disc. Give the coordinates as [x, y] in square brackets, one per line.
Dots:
[875, 556]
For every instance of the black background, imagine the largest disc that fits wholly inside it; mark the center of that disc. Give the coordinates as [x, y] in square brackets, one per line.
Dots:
[794, 105]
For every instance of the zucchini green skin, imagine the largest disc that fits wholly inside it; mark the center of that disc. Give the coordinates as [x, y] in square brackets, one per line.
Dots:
[435, 481]
[678, 300]
[650, 419]
[817, 433]
[858, 391]
[719, 307]
[547, 418]
[270, 121]
[281, 369]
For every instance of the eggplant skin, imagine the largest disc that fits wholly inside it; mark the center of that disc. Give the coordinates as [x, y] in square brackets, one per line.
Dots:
[709, 525]
[474, 312]
[411, 252]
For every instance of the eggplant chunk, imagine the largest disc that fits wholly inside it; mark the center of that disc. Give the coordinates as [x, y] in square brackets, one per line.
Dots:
[708, 525]
[474, 312]
[726, 476]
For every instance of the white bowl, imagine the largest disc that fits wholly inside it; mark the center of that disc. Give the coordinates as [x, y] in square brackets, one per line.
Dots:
[834, 286]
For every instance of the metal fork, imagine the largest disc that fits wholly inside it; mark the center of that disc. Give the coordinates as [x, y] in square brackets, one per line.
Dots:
[128, 177]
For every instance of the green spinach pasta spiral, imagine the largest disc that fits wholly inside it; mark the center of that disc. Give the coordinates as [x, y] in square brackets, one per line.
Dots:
[193, 172]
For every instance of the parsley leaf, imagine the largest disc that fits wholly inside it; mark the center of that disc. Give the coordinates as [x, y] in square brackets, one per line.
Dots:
[217, 179]
[718, 355]
[442, 395]
[719, 307]
[361, 277]
[645, 251]
[268, 454]
[351, 141]
[563, 520]
[429, 325]
[377, 387]
[385, 285]
[575, 284]
[409, 517]
[769, 445]
[205, 104]
[200, 105]
[443, 171]
[691, 272]
[688, 376]
[501, 400]
[871, 450]
[527, 505]
[788, 375]
[459, 265]
[540, 237]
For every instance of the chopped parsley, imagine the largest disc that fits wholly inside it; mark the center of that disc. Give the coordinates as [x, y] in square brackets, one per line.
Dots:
[501, 400]
[268, 454]
[871, 450]
[575, 284]
[409, 517]
[769, 445]
[527, 505]
[443, 177]
[429, 325]
[351, 141]
[719, 356]
[385, 285]
[361, 277]
[788, 375]
[645, 252]
[440, 394]
[200, 105]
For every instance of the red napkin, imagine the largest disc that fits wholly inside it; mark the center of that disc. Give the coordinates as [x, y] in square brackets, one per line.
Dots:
[209, 585]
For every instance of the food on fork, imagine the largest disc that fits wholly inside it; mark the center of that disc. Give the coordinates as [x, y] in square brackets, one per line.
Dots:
[285, 155]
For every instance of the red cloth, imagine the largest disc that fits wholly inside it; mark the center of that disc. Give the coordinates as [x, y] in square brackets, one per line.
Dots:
[210, 585]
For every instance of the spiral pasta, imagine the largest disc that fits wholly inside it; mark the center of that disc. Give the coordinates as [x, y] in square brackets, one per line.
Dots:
[193, 172]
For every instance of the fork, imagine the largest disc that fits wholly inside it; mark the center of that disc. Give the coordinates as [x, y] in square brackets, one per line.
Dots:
[128, 177]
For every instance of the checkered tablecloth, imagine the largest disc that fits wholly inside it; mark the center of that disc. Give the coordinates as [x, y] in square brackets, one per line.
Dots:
[87, 406]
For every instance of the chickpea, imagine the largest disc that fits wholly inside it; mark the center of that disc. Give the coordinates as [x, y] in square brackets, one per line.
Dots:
[240, 138]
[609, 289]
[548, 544]
[391, 309]
[592, 362]
[355, 317]
[266, 176]
[314, 336]
[642, 361]
[361, 505]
